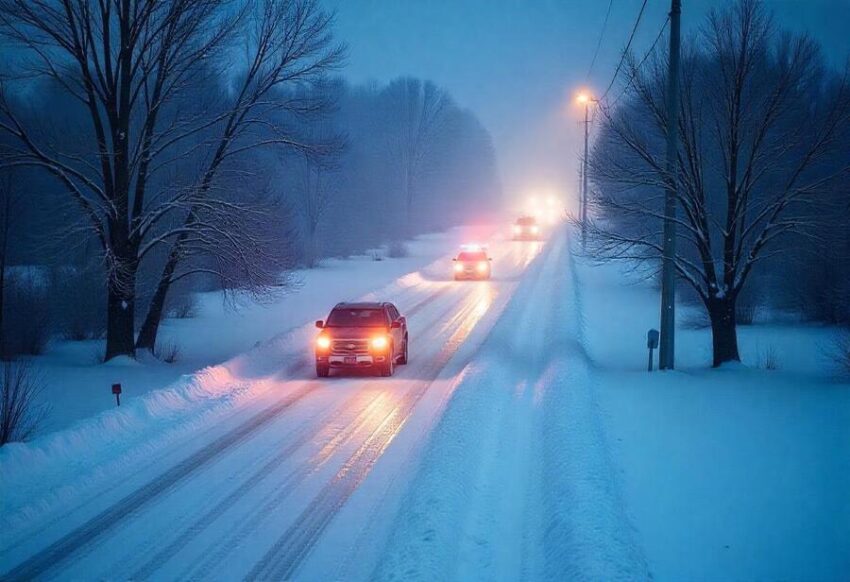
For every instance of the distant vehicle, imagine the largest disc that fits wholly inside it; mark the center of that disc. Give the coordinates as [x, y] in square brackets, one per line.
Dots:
[472, 262]
[362, 335]
[526, 228]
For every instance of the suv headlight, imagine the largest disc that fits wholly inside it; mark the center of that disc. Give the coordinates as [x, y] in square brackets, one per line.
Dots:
[379, 343]
[323, 342]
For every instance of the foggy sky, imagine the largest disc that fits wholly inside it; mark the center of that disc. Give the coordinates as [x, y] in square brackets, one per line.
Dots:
[517, 63]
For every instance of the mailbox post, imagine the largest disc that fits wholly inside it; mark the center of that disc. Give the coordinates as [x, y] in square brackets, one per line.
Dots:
[116, 389]
[651, 343]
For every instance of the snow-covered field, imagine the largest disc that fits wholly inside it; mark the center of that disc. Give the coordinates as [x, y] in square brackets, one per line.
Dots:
[741, 473]
[525, 440]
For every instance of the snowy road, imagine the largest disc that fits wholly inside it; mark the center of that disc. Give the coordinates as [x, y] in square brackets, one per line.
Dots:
[277, 487]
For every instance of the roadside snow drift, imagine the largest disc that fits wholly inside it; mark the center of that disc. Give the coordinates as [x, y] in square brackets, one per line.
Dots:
[516, 482]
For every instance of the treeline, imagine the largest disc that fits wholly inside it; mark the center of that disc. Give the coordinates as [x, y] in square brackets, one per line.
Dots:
[216, 150]
[407, 160]
[763, 202]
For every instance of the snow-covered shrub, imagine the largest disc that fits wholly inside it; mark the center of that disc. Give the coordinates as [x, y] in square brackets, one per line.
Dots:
[397, 250]
[167, 352]
[20, 412]
[769, 359]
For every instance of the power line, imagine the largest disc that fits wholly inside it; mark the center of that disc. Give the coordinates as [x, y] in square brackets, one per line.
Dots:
[625, 50]
[640, 64]
[599, 42]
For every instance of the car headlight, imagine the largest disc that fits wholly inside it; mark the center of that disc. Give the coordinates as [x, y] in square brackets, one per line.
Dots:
[458, 267]
[482, 267]
[379, 343]
[517, 229]
[323, 342]
[535, 229]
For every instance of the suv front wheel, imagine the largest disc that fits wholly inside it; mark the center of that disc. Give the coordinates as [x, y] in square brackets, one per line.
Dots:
[403, 357]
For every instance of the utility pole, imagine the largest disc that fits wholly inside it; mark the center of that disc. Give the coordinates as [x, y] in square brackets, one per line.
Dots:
[584, 175]
[666, 351]
[580, 189]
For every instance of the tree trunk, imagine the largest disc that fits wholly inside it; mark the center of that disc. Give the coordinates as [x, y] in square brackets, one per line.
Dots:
[4, 248]
[2, 295]
[724, 331]
[120, 315]
[150, 327]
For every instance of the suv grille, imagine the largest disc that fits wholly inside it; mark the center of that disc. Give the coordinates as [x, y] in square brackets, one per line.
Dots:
[350, 347]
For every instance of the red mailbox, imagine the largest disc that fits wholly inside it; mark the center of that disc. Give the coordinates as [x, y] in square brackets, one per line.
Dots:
[116, 389]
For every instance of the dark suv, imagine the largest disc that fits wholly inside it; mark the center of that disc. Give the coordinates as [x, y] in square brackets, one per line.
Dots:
[362, 335]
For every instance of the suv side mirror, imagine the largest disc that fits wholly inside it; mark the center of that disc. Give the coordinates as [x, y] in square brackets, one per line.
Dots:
[455, 259]
[320, 324]
[396, 324]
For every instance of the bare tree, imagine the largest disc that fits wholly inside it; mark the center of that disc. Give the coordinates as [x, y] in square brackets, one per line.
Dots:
[759, 138]
[6, 207]
[289, 43]
[133, 65]
[317, 191]
[122, 61]
[418, 111]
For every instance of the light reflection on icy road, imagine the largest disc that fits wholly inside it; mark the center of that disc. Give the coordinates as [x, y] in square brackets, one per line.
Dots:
[268, 488]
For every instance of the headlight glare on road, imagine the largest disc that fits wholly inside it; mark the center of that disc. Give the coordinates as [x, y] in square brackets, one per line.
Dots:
[379, 343]
[323, 342]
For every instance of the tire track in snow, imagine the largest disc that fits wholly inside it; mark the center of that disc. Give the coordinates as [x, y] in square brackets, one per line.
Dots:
[95, 528]
[267, 469]
[291, 482]
[285, 556]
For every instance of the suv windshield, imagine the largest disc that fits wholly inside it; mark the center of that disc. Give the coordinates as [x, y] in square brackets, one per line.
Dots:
[472, 256]
[526, 221]
[357, 318]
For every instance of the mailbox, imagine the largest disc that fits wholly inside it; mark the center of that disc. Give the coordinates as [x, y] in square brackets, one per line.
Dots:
[652, 339]
[116, 389]
[651, 343]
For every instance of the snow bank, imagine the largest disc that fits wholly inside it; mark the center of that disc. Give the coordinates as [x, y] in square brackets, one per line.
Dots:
[516, 481]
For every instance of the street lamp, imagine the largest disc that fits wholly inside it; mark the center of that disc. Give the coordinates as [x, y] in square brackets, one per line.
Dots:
[585, 99]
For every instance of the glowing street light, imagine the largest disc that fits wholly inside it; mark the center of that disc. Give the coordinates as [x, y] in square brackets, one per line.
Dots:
[585, 99]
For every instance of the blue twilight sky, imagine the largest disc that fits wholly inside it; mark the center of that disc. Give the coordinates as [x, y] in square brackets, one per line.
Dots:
[517, 63]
